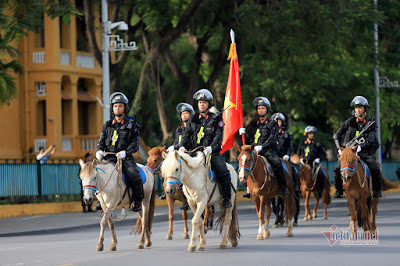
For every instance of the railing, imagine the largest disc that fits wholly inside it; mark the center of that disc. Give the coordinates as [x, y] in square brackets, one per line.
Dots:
[39, 57]
[66, 144]
[40, 143]
[65, 58]
[85, 61]
[89, 143]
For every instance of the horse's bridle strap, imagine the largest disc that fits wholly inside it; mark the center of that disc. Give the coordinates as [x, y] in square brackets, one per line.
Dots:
[155, 169]
[173, 177]
[349, 167]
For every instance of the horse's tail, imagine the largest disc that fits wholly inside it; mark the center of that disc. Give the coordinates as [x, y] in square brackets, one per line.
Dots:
[234, 233]
[290, 206]
[138, 226]
[386, 184]
[152, 206]
[326, 196]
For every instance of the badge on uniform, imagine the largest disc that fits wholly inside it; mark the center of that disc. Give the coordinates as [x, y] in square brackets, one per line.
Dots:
[118, 97]
[221, 123]
[114, 138]
[183, 107]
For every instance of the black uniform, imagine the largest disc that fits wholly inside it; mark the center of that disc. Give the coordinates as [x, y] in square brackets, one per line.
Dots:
[178, 138]
[266, 135]
[350, 128]
[285, 147]
[312, 151]
[116, 137]
[208, 131]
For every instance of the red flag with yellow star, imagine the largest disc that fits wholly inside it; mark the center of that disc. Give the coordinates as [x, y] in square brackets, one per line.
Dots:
[233, 112]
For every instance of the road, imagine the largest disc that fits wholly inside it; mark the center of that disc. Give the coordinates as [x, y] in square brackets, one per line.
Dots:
[70, 239]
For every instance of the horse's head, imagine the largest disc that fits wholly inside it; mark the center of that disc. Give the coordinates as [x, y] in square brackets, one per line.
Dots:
[89, 177]
[348, 162]
[246, 158]
[155, 159]
[171, 170]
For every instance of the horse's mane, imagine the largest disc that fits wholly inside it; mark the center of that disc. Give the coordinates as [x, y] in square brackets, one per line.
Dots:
[247, 148]
[87, 169]
[348, 155]
[191, 161]
[170, 162]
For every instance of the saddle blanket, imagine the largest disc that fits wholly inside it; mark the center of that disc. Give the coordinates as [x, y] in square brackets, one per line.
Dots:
[213, 175]
[142, 175]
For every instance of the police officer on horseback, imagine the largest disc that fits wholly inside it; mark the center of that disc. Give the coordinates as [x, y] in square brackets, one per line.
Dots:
[313, 151]
[185, 112]
[206, 129]
[264, 133]
[351, 128]
[285, 147]
[121, 136]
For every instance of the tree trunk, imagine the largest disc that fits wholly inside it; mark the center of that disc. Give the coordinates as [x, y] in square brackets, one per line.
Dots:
[160, 104]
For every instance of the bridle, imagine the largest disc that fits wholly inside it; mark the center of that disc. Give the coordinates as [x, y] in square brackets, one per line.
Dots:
[94, 188]
[245, 166]
[155, 169]
[173, 177]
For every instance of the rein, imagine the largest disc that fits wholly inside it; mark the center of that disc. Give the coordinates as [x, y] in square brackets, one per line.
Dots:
[155, 169]
[253, 166]
[97, 179]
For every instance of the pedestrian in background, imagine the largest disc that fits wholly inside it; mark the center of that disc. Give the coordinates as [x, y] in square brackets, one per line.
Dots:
[44, 155]
[88, 158]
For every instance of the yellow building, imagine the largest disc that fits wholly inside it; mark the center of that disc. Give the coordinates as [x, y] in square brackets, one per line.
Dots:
[58, 93]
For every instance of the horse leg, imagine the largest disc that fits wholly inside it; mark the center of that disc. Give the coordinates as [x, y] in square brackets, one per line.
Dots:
[145, 224]
[206, 214]
[267, 204]
[170, 202]
[114, 242]
[192, 246]
[281, 206]
[307, 215]
[103, 224]
[227, 226]
[374, 206]
[186, 229]
[199, 223]
[315, 207]
[297, 199]
[364, 213]
[257, 203]
[353, 214]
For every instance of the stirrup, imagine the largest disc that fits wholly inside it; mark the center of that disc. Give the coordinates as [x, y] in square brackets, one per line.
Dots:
[226, 203]
[137, 207]
[378, 194]
[247, 195]
[338, 195]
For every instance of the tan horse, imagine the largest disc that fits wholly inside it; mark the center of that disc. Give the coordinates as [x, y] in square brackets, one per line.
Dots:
[154, 162]
[263, 187]
[308, 187]
[104, 182]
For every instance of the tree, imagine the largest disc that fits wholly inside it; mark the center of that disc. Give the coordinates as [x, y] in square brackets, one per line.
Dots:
[17, 19]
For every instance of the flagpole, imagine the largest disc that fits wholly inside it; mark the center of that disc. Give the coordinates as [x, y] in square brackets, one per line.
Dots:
[233, 41]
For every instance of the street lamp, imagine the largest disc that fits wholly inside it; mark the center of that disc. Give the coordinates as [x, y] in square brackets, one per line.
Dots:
[111, 43]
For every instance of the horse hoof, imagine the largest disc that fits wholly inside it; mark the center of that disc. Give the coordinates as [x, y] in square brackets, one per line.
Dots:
[259, 237]
[140, 246]
[325, 217]
[205, 230]
[99, 248]
[185, 236]
[200, 248]
[148, 244]
[314, 216]
[295, 224]
[191, 249]
[275, 226]
[289, 234]
[223, 247]
[305, 219]
[235, 244]
[266, 234]
[112, 248]
[168, 238]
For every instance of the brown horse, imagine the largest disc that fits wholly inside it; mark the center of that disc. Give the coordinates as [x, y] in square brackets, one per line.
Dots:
[358, 189]
[308, 187]
[154, 162]
[263, 186]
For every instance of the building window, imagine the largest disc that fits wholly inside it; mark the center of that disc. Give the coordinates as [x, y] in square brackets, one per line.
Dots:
[40, 88]
[39, 36]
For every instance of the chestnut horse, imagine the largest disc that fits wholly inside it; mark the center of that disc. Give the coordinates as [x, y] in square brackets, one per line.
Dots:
[154, 162]
[263, 186]
[308, 187]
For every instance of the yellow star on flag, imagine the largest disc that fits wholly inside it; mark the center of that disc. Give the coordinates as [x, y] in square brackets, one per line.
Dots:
[227, 103]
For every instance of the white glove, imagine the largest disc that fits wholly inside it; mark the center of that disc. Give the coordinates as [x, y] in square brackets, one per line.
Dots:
[99, 155]
[358, 149]
[286, 157]
[242, 131]
[317, 160]
[339, 151]
[207, 150]
[171, 148]
[258, 148]
[182, 149]
[121, 155]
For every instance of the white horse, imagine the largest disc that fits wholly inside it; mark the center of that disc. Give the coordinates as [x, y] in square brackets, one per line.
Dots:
[102, 181]
[200, 192]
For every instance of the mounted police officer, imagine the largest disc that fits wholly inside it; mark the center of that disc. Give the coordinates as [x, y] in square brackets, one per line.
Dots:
[285, 147]
[206, 129]
[263, 133]
[351, 128]
[314, 152]
[185, 112]
[121, 136]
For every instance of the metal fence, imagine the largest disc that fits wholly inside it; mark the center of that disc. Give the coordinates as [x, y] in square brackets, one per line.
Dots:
[62, 179]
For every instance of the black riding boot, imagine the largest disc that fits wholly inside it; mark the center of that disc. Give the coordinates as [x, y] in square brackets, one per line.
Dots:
[338, 185]
[281, 180]
[138, 195]
[296, 181]
[321, 184]
[377, 184]
[185, 205]
[225, 188]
